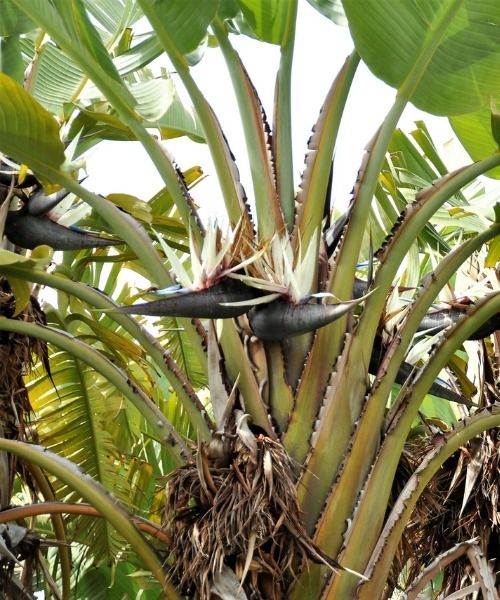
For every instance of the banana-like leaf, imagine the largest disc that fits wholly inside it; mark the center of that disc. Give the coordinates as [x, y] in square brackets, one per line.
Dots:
[474, 132]
[54, 79]
[12, 20]
[57, 81]
[76, 25]
[187, 21]
[65, 26]
[113, 15]
[73, 408]
[160, 105]
[443, 55]
[264, 19]
[332, 9]
[11, 62]
[140, 55]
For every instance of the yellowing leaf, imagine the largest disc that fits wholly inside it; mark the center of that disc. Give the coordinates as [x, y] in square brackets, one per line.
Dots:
[43, 254]
[38, 259]
[132, 205]
[28, 133]
[22, 291]
[493, 256]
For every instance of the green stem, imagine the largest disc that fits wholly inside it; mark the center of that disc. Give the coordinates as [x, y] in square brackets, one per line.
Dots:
[122, 225]
[224, 164]
[417, 216]
[93, 493]
[364, 442]
[118, 95]
[347, 402]
[282, 129]
[343, 273]
[281, 398]
[347, 257]
[133, 233]
[329, 340]
[371, 509]
[239, 368]
[269, 216]
[428, 201]
[312, 196]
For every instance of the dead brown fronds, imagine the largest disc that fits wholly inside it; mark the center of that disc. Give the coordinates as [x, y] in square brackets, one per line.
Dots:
[460, 503]
[18, 354]
[237, 522]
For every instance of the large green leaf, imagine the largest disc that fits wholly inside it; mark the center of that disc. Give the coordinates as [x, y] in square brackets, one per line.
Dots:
[57, 80]
[444, 55]
[28, 132]
[161, 106]
[79, 27]
[11, 62]
[267, 19]
[70, 25]
[12, 20]
[474, 132]
[186, 21]
[332, 9]
[152, 97]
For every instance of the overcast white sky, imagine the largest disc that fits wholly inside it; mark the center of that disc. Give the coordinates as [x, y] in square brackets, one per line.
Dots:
[320, 50]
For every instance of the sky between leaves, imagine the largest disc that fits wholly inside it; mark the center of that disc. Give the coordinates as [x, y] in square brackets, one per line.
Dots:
[320, 50]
